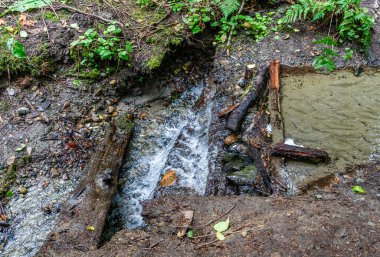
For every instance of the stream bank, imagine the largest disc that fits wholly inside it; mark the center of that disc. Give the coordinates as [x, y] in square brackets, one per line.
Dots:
[68, 113]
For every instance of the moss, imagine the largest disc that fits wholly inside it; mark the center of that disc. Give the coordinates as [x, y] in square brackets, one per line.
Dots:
[156, 60]
[176, 41]
[7, 180]
[50, 16]
[124, 122]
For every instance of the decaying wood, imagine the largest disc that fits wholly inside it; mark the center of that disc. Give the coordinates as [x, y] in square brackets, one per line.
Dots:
[253, 95]
[257, 139]
[277, 136]
[228, 110]
[89, 205]
[299, 153]
[274, 81]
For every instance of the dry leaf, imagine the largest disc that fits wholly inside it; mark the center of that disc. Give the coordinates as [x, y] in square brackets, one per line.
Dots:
[168, 179]
[25, 22]
[226, 111]
[2, 22]
[11, 160]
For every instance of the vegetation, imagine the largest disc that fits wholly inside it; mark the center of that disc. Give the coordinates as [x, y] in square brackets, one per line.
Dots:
[347, 18]
[98, 50]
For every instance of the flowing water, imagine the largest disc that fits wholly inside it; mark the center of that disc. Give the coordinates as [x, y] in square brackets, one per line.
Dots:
[337, 112]
[173, 137]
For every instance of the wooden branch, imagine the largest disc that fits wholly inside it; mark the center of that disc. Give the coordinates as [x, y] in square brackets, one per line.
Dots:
[88, 207]
[299, 153]
[274, 81]
[237, 115]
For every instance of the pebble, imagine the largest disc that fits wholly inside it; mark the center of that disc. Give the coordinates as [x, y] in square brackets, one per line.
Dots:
[22, 190]
[11, 91]
[318, 196]
[113, 82]
[22, 111]
[231, 139]
[54, 172]
[111, 109]
[65, 177]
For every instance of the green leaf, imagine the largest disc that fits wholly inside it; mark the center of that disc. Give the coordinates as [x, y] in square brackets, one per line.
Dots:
[220, 236]
[9, 193]
[359, 190]
[222, 226]
[190, 233]
[16, 48]
[25, 5]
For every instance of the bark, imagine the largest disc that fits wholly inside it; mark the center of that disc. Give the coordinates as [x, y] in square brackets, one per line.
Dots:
[299, 153]
[237, 115]
[91, 200]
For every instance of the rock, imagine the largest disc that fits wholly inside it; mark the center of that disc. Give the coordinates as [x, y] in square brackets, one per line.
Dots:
[22, 190]
[22, 111]
[54, 172]
[113, 82]
[231, 139]
[111, 109]
[11, 91]
[244, 177]
[66, 104]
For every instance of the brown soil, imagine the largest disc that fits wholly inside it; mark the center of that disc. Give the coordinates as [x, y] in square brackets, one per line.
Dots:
[329, 222]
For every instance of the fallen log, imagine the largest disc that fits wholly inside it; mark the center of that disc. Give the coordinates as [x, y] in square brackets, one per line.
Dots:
[258, 145]
[82, 218]
[237, 115]
[299, 153]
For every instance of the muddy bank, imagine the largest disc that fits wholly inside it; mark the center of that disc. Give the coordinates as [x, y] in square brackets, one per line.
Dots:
[333, 221]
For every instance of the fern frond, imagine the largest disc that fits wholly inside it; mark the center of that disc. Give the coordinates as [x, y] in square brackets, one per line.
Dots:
[228, 7]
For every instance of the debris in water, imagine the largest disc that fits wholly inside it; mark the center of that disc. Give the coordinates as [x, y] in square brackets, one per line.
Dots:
[168, 179]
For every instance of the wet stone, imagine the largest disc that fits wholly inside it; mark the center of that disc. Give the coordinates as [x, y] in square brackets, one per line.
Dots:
[245, 176]
[22, 111]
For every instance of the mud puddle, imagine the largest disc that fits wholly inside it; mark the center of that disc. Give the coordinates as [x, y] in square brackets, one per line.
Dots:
[338, 113]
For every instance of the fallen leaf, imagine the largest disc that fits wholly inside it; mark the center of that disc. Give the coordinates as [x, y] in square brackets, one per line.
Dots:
[2, 22]
[11, 160]
[168, 179]
[222, 226]
[23, 33]
[71, 145]
[220, 236]
[74, 26]
[25, 22]
[20, 148]
[359, 190]
[90, 228]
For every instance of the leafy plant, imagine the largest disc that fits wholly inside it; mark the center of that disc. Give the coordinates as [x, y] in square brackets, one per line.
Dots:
[228, 6]
[26, 5]
[325, 60]
[95, 49]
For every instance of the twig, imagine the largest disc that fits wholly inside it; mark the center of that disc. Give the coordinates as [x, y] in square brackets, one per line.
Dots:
[233, 27]
[221, 216]
[63, 6]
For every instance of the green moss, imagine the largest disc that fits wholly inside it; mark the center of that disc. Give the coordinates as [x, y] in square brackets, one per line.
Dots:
[176, 41]
[7, 179]
[155, 61]
[50, 16]
[124, 122]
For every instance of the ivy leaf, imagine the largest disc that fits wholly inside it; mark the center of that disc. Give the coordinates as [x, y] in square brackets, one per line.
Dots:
[359, 190]
[222, 226]
[220, 236]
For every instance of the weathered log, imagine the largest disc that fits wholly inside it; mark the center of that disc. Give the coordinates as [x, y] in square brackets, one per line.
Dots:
[299, 153]
[274, 81]
[258, 145]
[82, 218]
[253, 95]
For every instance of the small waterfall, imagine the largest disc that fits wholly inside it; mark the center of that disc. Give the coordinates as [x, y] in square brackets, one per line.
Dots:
[175, 138]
